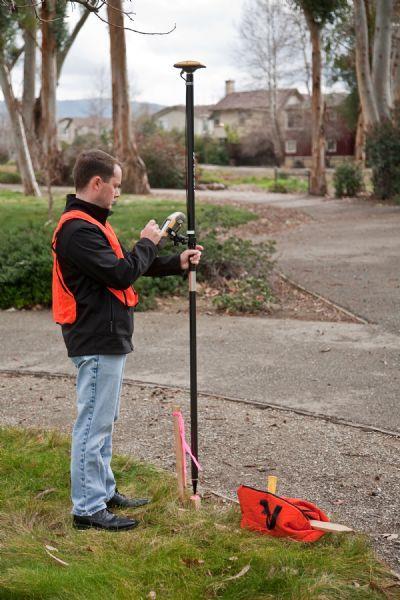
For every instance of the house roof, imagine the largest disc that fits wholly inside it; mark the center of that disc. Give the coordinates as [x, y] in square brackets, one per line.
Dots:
[255, 99]
[201, 110]
[333, 100]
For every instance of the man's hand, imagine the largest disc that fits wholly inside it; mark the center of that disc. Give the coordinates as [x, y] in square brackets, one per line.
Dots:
[151, 232]
[193, 255]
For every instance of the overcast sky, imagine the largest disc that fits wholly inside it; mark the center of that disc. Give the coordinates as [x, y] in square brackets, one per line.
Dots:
[205, 31]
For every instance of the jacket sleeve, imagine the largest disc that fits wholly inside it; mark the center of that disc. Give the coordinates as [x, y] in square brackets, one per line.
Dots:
[163, 266]
[90, 251]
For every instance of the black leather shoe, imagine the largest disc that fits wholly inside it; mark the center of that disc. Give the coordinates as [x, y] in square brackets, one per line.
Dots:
[104, 519]
[121, 501]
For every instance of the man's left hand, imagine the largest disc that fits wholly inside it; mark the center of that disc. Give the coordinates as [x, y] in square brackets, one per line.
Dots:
[193, 255]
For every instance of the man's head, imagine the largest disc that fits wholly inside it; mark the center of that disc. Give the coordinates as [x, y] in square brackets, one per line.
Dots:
[97, 177]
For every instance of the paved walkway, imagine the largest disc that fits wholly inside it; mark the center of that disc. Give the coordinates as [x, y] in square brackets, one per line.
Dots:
[339, 369]
[349, 253]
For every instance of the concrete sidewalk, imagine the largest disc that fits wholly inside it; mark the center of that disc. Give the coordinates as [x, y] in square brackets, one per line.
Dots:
[344, 370]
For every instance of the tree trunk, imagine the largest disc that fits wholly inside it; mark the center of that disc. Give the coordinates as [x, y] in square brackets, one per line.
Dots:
[318, 185]
[24, 160]
[51, 153]
[364, 79]
[134, 171]
[359, 151]
[382, 56]
[28, 94]
[395, 72]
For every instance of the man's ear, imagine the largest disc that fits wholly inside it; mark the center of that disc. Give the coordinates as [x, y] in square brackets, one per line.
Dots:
[96, 182]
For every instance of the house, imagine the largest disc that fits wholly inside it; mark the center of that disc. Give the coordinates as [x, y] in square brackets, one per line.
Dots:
[69, 128]
[248, 113]
[340, 139]
[174, 117]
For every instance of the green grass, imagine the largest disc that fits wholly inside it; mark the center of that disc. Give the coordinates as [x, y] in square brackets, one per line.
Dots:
[178, 554]
[284, 184]
[130, 214]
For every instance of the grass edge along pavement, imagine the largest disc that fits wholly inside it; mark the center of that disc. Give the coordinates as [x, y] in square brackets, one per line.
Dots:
[174, 553]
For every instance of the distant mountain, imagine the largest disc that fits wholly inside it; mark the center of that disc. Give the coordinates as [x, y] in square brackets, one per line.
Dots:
[86, 107]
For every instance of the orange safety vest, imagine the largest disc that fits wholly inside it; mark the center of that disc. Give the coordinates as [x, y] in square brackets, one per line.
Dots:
[64, 303]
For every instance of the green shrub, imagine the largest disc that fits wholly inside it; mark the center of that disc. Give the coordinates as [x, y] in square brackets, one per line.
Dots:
[26, 271]
[251, 294]
[151, 288]
[25, 267]
[237, 267]
[347, 179]
[234, 258]
[211, 151]
[4, 154]
[240, 270]
[165, 158]
[9, 177]
[383, 155]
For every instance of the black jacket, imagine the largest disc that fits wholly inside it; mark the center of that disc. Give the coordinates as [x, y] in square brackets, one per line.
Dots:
[89, 266]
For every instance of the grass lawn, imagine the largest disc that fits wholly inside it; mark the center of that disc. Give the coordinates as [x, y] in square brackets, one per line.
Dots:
[284, 183]
[174, 553]
[130, 214]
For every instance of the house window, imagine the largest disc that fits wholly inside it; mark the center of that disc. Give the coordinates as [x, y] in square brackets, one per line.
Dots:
[216, 121]
[331, 146]
[242, 117]
[291, 146]
[294, 120]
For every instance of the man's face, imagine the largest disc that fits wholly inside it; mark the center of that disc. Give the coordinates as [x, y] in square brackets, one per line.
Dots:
[107, 192]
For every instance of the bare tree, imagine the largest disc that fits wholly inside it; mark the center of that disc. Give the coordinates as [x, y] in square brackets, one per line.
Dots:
[318, 13]
[53, 56]
[125, 147]
[269, 46]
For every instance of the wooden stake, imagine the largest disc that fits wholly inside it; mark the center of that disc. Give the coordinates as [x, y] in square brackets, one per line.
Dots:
[196, 501]
[179, 454]
[328, 526]
[272, 482]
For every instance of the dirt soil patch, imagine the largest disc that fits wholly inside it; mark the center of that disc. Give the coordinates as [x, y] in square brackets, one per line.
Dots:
[290, 303]
[350, 473]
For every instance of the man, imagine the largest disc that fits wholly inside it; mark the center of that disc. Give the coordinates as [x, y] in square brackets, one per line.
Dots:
[93, 301]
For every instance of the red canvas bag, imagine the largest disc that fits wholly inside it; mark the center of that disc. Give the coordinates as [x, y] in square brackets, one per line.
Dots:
[279, 516]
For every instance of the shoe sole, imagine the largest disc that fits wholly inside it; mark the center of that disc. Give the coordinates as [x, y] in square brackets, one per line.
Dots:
[83, 526]
[127, 507]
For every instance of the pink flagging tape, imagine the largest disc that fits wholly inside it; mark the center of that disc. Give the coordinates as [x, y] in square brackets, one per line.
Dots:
[185, 445]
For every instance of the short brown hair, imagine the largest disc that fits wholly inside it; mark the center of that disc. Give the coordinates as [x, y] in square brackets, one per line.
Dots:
[91, 163]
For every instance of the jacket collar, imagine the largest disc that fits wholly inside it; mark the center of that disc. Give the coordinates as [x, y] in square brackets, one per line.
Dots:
[97, 212]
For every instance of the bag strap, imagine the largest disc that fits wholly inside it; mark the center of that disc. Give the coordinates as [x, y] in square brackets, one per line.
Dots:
[271, 518]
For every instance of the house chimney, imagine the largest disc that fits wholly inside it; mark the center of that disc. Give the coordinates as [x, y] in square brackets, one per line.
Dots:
[229, 86]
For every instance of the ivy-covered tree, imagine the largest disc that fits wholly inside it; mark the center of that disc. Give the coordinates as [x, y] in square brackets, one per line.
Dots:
[318, 14]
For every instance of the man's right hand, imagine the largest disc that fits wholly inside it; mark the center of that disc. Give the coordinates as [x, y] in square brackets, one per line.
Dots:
[151, 232]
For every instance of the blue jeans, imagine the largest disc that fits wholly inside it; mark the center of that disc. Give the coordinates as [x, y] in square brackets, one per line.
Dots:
[98, 386]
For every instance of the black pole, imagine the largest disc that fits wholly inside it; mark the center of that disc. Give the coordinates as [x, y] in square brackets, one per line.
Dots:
[189, 67]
